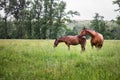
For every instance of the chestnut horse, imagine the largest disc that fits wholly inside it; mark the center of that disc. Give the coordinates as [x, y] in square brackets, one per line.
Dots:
[72, 40]
[96, 38]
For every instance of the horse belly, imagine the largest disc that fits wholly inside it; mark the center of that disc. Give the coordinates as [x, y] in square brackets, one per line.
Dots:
[96, 41]
[74, 42]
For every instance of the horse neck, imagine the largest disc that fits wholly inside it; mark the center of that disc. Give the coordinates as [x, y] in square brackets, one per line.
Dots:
[61, 39]
[79, 36]
[91, 33]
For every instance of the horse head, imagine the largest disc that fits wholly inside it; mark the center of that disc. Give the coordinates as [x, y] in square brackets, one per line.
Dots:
[83, 32]
[79, 36]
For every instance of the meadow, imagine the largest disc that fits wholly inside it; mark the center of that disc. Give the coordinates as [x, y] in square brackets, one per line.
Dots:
[38, 60]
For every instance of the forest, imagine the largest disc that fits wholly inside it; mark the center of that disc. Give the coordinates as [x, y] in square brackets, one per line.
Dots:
[47, 19]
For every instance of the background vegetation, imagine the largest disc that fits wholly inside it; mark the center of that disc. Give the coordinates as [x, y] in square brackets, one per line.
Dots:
[47, 19]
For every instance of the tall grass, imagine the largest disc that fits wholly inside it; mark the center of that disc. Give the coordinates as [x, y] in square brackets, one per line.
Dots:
[38, 60]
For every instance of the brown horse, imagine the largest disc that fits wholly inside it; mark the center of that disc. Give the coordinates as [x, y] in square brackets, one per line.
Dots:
[72, 40]
[96, 38]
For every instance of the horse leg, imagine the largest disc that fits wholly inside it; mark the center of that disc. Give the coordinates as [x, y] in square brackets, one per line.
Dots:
[100, 46]
[96, 45]
[68, 46]
[92, 45]
[83, 47]
[91, 41]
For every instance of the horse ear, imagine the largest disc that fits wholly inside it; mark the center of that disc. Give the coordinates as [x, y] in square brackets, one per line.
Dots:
[84, 28]
[56, 39]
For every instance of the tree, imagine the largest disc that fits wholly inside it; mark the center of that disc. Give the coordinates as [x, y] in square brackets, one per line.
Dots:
[116, 30]
[4, 5]
[98, 24]
[95, 22]
[12, 7]
[1, 27]
[118, 20]
[39, 19]
[37, 14]
[117, 2]
[61, 17]
[72, 31]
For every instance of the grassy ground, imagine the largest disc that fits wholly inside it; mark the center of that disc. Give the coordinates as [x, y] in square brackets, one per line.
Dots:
[38, 60]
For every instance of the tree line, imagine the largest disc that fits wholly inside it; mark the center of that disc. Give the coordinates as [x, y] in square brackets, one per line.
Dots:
[39, 19]
[46, 19]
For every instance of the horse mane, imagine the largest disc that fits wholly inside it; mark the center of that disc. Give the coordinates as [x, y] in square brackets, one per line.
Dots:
[88, 29]
[79, 36]
[61, 38]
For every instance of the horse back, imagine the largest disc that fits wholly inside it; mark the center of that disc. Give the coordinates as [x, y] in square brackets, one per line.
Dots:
[72, 40]
[97, 39]
[100, 36]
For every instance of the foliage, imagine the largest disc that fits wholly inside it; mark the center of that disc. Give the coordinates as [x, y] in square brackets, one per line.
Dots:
[98, 23]
[117, 29]
[72, 32]
[39, 19]
[118, 3]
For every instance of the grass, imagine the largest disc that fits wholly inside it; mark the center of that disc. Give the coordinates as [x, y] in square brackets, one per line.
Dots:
[38, 60]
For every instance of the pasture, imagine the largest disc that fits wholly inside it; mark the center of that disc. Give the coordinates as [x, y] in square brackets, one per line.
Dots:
[38, 60]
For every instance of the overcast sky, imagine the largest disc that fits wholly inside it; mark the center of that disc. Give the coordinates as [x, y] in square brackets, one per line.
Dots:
[88, 8]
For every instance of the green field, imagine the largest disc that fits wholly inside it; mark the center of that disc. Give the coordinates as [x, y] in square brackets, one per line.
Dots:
[38, 60]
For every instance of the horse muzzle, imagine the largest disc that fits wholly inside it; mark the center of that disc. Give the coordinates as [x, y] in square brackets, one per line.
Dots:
[54, 46]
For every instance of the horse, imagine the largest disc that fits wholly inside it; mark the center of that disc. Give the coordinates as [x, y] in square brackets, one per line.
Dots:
[96, 38]
[71, 40]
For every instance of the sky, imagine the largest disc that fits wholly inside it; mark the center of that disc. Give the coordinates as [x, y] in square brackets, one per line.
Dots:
[88, 8]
